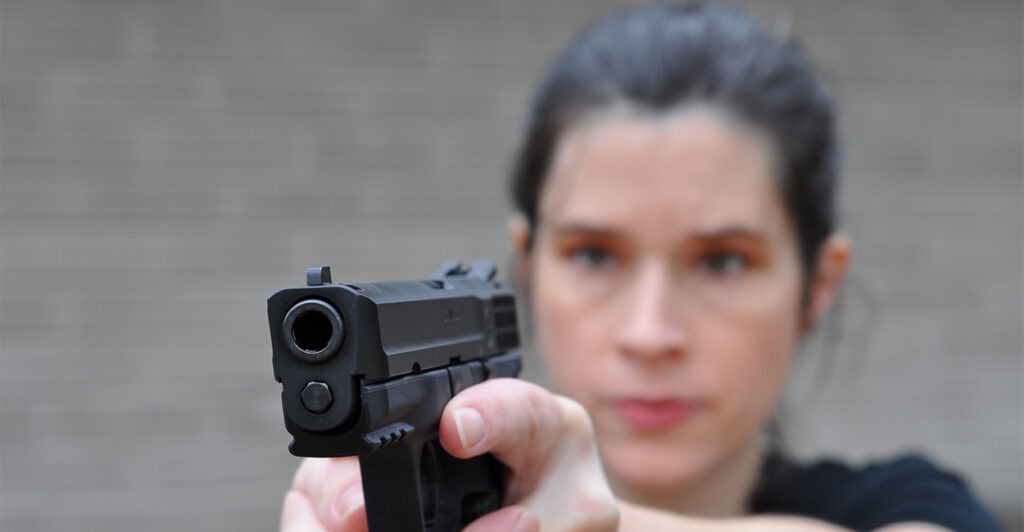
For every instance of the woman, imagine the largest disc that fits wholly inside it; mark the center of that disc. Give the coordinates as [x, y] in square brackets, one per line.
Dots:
[676, 239]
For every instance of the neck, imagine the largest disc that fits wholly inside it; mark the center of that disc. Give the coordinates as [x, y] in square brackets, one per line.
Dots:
[722, 492]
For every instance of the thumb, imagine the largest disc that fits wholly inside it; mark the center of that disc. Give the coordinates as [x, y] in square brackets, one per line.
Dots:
[298, 514]
[514, 518]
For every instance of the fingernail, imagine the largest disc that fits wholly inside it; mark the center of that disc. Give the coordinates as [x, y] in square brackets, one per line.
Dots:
[348, 501]
[526, 523]
[470, 425]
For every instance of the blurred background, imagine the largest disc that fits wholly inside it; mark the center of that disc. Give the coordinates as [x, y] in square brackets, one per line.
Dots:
[166, 166]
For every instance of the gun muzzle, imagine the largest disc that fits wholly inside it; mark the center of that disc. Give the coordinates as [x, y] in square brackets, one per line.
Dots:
[313, 330]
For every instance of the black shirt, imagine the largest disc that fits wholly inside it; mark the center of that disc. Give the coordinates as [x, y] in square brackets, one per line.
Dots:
[908, 488]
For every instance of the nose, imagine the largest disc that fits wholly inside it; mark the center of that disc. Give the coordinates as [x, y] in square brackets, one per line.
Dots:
[652, 326]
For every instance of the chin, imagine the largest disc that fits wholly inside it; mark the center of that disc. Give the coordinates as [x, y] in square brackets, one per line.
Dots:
[655, 468]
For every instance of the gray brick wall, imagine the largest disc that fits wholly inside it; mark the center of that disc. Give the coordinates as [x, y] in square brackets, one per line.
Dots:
[167, 165]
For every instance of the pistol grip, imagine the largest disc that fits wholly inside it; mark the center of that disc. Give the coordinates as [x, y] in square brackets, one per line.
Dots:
[449, 492]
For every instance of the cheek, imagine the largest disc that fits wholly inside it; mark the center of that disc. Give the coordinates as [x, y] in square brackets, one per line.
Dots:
[569, 338]
[753, 355]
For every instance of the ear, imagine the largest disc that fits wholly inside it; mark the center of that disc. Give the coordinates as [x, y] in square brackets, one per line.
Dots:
[519, 232]
[827, 278]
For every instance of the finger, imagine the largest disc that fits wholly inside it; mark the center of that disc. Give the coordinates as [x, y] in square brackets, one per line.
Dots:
[334, 489]
[523, 425]
[503, 417]
[298, 514]
[548, 443]
[514, 518]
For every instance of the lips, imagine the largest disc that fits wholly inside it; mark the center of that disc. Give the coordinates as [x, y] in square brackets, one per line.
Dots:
[656, 414]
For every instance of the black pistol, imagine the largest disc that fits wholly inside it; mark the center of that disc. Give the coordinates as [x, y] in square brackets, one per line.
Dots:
[367, 370]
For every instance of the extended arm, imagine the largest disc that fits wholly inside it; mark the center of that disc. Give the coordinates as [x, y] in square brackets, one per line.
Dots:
[640, 518]
[557, 483]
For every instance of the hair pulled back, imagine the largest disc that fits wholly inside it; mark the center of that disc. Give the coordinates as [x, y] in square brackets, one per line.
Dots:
[659, 57]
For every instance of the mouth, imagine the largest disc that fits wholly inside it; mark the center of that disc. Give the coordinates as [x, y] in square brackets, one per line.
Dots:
[651, 415]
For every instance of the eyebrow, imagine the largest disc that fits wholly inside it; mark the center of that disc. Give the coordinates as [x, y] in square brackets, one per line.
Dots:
[586, 229]
[724, 232]
[729, 232]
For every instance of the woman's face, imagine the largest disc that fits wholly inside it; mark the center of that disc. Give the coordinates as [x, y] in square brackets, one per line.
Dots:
[665, 286]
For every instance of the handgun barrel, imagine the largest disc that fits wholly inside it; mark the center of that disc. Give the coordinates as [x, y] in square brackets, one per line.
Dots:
[313, 330]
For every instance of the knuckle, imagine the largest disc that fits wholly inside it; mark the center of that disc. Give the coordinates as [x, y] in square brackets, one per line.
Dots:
[304, 475]
[575, 416]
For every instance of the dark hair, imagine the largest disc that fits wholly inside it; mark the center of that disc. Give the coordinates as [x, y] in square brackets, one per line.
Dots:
[658, 57]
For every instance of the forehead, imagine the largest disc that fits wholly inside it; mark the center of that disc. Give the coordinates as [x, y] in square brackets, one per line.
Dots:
[696, 167]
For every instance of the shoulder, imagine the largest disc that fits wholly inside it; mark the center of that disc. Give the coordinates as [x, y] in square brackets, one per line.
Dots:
[906, 488]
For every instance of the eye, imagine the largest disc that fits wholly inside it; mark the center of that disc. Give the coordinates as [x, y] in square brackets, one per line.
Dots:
[593, 257]
[724, 263]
